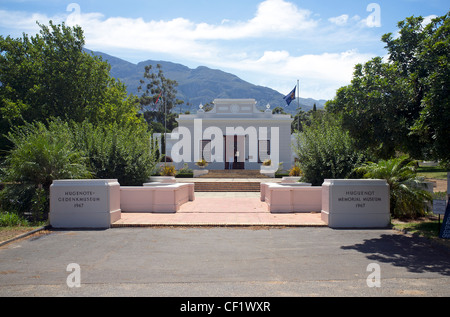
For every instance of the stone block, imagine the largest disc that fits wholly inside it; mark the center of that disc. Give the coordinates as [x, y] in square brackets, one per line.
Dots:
[355, 203]
[84, 203]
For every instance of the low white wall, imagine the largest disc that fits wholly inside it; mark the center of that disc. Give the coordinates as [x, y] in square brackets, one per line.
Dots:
[296, 197]
[156, 198]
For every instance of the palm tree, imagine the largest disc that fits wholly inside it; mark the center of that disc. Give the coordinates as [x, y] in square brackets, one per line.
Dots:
[408, 196]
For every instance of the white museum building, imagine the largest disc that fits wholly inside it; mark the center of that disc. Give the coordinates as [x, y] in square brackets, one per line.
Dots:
[234, 134]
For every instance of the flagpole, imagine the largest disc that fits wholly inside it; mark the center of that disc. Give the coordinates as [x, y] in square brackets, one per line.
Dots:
[298, 104]
[165, 135]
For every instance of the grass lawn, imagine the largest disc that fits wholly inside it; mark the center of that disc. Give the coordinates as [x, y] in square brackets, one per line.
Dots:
[434, 172]
[425, 227]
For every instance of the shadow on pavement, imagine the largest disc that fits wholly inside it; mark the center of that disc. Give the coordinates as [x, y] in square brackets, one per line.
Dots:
[416, 254]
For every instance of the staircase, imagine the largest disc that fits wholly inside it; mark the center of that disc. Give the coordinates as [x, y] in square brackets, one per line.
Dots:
[229, 185]
[233, 174]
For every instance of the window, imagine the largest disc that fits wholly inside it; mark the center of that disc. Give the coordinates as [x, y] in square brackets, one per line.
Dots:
[205, 150]
[263, 150]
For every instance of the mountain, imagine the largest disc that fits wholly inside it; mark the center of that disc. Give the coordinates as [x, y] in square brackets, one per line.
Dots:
[202, 84]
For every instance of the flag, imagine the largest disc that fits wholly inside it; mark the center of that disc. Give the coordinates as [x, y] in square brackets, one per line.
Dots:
[291, 96]
[154, 105]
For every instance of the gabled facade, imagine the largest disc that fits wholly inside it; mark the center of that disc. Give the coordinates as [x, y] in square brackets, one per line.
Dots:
[233, 135]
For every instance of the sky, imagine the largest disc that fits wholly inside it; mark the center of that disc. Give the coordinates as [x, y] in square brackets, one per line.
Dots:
[272, 43]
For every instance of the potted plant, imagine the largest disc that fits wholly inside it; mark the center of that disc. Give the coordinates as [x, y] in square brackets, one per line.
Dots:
[168, 170]
[201, 163]
[167, 174]
[295, 173]
[202, 171]
[267, 168]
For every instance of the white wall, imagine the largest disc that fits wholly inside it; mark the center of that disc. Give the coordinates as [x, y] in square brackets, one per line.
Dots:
[251, 162]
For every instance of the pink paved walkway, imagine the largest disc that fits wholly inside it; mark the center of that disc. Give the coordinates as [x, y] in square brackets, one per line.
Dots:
[221, 211]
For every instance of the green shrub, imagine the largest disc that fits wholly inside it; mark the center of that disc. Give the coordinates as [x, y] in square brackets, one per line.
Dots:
[40, 155]
[11, 219]
[185, 169]
[121, 152]
[324, 150]
[408, 196]
[296, 170]
[168, 170]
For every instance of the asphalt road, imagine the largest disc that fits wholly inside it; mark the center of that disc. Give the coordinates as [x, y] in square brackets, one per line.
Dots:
[224, 262]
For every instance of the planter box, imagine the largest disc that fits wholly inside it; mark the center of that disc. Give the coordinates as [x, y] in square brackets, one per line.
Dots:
[286, 198]
[268, 170]
[84, 203]
[360, 203]
[289, 179]
[155, 198]
[200, 172]
[163, 179]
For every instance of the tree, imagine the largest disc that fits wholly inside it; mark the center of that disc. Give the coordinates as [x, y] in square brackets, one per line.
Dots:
[49, 75]
[325, 150]
[64, 116]
[279, 110]
[158, 98]
[303, 118]
[408, 196]
[208, 106]
[433, 123]
[402, 104]
[376, 109]
[421, 52]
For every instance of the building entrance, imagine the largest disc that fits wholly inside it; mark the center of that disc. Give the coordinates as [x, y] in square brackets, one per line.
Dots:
[234, 152]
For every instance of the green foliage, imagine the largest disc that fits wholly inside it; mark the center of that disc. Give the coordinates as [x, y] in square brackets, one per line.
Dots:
[376, 109]
[201, 162]
[403, 104]
[40, 155]
[11, 219]
[303, 118]
[434, 58]
[185, 169]
[49, 75]
[295, 170]
[408, 195]
[96, 130]
[116, 151]
[324, 150]
[168, 170]
[421, 53]
[159, 93]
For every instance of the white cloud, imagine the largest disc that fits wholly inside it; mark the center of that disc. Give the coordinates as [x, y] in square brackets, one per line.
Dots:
[427, 19]
[340, 20]
[182, 36]
[319, 74]
[214, 44]
[21, 21]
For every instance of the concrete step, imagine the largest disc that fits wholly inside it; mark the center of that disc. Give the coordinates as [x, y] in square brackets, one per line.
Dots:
[233, 174]
[227, 186]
